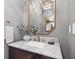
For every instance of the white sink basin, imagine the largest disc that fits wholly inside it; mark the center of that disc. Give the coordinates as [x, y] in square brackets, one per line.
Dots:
[35, 44]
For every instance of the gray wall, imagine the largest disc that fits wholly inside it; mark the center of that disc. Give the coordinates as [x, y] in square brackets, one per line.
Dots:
[71, 18]
[61, 30]
[6, 51]
[13, 13]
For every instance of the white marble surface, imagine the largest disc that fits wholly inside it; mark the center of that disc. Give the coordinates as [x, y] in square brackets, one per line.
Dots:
[52, 51]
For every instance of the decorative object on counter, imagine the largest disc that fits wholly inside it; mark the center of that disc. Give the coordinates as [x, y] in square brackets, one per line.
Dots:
[27, 37]
[9, 31]
[51, 42]
[29, 30]
[21, 29]
[9, 34]
[8, 23]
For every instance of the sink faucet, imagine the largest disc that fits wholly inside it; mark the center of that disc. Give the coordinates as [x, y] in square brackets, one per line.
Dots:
[38, 37]
[35, 39]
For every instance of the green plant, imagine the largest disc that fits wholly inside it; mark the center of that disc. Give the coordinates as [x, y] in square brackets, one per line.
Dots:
[30, 29]
[33, 29]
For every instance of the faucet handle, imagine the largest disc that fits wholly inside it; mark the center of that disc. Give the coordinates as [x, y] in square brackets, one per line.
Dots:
[38, 37]
[34, 38]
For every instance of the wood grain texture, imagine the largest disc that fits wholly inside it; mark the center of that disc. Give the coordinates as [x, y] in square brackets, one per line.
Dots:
[15, 53]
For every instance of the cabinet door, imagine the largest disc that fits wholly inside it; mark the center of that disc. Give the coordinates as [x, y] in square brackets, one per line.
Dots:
[29, 56]
[15, 53]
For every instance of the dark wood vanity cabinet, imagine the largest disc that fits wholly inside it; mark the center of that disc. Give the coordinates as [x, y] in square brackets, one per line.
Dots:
[15, 53]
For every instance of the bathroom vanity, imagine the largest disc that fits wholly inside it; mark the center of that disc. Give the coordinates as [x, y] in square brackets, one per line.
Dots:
[34, 50]
[15, 53]
[41, 21]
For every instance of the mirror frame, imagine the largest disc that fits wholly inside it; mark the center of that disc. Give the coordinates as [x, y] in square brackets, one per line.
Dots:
[46, 32]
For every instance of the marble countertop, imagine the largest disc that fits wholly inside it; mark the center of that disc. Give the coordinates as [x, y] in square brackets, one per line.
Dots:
[53, 51]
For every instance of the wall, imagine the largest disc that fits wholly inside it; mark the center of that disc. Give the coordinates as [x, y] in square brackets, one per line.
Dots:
[25, 12]
[13, 13]
[6, 51]
[61, 30]
[71, 18]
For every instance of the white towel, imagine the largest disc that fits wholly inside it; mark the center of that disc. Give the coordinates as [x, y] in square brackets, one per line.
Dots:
[9, 34]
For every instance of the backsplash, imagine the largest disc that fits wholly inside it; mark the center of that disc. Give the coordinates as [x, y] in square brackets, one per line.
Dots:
[40, 38]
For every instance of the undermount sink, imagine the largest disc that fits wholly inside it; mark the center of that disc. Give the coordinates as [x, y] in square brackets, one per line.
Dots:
[35, 44]
[44, 41]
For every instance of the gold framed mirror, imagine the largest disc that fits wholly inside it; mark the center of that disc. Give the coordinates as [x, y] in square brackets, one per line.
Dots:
[42, 14]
